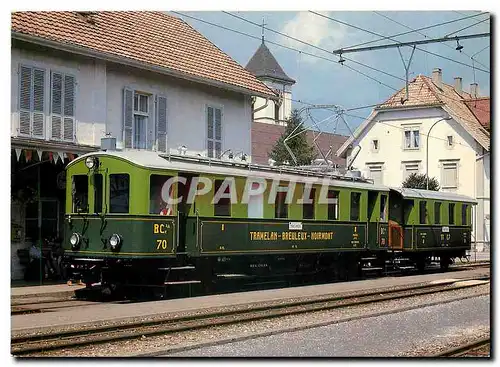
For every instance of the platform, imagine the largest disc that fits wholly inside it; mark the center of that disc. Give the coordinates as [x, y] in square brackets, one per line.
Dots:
[113, 311]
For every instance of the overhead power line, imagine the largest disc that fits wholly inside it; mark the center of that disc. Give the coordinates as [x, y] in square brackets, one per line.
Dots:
[311, 45]
[426, 36]
[415, 30]
[411, 43]
[392, 39]
[469, 26]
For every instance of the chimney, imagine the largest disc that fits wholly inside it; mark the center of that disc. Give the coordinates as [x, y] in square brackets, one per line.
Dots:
[458, 85]
[474, 90]
[437, 78]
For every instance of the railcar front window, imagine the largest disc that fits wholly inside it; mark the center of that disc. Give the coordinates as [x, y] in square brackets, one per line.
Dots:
[355, 199]
[464, 214]
[308, 208]
[451, 213]
[383, 208]
[80, 193]
[97, 193]
[437, 213]
[159, 194]
[333, 205]
[280, 206]
[222, 207]
[119, 193]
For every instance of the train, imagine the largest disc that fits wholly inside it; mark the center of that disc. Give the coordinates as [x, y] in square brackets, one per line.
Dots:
[142, 218]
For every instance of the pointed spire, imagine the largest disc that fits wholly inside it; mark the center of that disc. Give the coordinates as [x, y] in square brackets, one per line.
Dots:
[263, 26]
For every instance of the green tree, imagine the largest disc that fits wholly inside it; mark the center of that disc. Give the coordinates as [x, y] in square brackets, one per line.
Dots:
[419, 181]
[304, 152]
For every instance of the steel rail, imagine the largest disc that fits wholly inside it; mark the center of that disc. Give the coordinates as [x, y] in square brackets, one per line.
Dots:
[39, 342]
[463, 349]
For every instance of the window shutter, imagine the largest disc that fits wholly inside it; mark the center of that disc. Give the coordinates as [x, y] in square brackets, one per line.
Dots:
[38, 102]
[56, 106]
[218, 122]
[210, 122]
[69, 107]
[450, 175]
[161, 124]
[128, 117]
[25, 101]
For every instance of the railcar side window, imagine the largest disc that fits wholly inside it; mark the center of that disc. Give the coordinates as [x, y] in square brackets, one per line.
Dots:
[333, 205]
[308, 209]
[222, 208]
[464, 214]
[280, 205]
[119, 193]
[437, 213]
[423, 212]
[80, 193]
[407, 208]
[355, 201]
[157, 203]
[97, 193]
[383, 208]
[451, 213]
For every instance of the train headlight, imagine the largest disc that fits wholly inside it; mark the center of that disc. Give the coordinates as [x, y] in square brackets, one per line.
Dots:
[75, 240]
[115, 241]
[91, 162]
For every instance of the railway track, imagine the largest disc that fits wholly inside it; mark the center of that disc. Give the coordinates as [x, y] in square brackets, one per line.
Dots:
[478, 348]
[40, 342]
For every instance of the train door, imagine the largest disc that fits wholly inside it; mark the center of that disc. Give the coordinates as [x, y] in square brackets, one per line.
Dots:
[184, 208]
[395, 221]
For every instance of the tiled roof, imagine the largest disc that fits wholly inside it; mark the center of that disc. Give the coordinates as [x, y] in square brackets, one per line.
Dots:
[151, 38]
[423, 92]
[263, 64]
[264, 137]
[480, 107]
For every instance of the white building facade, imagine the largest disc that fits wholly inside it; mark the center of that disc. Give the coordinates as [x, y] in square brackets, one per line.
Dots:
[438, 137]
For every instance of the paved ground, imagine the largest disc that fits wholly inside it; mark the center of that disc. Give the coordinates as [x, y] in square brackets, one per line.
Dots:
[381, 336]
[113, 311]
[43, 289]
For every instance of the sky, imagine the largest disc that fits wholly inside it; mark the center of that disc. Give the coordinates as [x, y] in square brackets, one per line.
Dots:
[321, 81]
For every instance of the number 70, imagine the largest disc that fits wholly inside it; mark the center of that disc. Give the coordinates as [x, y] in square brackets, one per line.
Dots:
[161, 244]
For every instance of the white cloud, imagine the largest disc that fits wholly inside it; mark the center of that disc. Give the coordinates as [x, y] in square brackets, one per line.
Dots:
[316, 30]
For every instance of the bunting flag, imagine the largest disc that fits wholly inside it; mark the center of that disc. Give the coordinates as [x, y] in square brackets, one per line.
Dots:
[28, 153]
[60, 156]
[51, 157]
[39, 152]
[64, 156]
[18, 153]
[55, 155]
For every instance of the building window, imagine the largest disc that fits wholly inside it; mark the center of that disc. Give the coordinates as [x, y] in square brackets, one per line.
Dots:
[449, 141]
[62, 107]
[119, 193]
[437, 213]
[383, 208]
[141, 120]
[80, 193]
[280, 205]
[423, 212]
[411, 138]
[375, 145]
[410, 168]
[333, 205]
[449, 174]
[464, 214]
[214, 132]
[222, 208]
[376, 173]
[355, 203]
[31, 102]
[308, 208]
[451, 213]
[276, 113]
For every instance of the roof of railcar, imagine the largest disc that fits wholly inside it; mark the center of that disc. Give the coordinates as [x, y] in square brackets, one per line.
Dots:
[433, 195]
[203, 165]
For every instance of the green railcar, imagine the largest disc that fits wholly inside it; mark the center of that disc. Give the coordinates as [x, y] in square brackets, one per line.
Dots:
[137, 218]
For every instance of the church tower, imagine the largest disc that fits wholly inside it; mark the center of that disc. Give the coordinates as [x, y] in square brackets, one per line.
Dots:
[265, 68]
